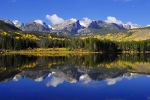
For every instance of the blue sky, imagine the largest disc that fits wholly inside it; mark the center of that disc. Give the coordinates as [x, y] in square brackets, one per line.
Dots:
[135, 11]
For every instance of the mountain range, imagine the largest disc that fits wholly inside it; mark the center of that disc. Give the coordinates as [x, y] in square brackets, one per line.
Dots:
[71, 74]
[73, 26]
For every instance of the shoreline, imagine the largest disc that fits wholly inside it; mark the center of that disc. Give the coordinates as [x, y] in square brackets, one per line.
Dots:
[49, 51]
[61, 51]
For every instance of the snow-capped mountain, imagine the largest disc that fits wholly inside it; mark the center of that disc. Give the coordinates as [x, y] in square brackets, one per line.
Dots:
[71, 25]
[7, 27]
[132, 26]
[98, 26]
[7, 21]
[72, 74]
[36, 25]
[18, 24]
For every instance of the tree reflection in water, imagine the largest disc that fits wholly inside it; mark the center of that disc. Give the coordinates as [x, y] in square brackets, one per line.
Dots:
[74, 68]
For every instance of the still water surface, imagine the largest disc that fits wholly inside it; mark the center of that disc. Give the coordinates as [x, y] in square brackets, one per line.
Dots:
[75, 77]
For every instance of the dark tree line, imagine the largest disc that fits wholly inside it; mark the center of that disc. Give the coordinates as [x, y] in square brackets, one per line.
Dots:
[91, 44]
[140, 46]
[10, 43]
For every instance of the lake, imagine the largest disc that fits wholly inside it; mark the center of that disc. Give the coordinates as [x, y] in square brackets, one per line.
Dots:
[75, 77]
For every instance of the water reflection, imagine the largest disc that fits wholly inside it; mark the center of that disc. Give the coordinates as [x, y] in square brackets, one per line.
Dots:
[84, 69]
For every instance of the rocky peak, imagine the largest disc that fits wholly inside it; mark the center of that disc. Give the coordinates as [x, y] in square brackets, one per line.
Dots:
[71, 25]
[36, 25]
[18, 24]
[7, 21]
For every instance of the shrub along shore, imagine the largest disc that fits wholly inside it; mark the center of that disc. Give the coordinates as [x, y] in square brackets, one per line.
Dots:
[48, 51]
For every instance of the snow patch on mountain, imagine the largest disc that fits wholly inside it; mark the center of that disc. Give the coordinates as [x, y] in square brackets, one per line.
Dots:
[39, 79]
[39, 22]
[55, 81]
[129, 76]
[17, 77]
[17, 23]
[72, 25]
[129, 25]
[7, 21]
[73, 20]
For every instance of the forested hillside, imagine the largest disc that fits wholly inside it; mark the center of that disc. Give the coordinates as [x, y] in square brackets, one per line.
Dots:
[137, 40]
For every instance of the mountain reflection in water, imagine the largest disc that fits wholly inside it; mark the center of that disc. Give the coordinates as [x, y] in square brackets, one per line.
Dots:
[74, 68]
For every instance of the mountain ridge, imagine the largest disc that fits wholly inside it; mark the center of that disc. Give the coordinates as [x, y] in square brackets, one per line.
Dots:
[72, 26]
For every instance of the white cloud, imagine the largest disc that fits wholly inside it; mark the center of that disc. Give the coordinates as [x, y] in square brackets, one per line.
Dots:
[148, 25]
[111, 19]
[85, 22]
[54, 19]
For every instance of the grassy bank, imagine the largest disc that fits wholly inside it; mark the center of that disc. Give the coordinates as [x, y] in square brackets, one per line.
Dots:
[48, 51]
[58, 52]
